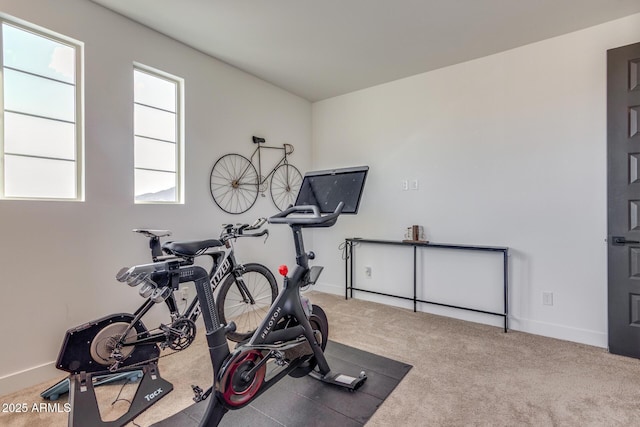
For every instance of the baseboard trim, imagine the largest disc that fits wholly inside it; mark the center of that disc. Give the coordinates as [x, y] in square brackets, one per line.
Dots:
[328, 288]
[29, 377]
[562, 332]
[535, 327]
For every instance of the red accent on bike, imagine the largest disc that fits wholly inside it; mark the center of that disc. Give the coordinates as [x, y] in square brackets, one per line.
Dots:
[235, 391]
[283, 270]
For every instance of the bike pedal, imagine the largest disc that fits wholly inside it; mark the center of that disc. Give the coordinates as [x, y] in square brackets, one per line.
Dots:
[198, 393]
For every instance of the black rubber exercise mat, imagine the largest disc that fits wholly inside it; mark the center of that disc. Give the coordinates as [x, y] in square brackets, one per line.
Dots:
[309, 402]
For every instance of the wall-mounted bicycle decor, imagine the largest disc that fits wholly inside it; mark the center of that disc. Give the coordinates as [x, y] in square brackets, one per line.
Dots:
[235, 182]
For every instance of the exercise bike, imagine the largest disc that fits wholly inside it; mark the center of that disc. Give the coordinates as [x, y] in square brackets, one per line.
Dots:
[290, 340]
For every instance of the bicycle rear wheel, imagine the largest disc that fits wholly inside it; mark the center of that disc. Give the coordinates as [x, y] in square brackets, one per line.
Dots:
[285, 183]
[246, 305]
[234, 183]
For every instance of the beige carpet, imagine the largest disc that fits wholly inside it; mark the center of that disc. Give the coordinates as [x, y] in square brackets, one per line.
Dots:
[463, 374]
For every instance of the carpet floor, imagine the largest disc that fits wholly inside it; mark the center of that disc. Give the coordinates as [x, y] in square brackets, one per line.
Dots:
[464, 374]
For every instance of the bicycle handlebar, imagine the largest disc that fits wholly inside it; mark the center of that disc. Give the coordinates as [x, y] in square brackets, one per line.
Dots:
[139, 273]
[262, 233]
[257, 224]
[313, 219]
[229, 231]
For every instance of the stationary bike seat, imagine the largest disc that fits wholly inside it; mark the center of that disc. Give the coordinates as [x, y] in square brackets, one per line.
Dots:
[190, 248]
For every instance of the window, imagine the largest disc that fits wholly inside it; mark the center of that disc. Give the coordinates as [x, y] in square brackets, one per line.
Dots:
[41, 138]
[157, 136]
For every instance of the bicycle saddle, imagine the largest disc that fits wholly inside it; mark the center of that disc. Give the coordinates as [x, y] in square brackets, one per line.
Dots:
[190, 248]
[152, 233]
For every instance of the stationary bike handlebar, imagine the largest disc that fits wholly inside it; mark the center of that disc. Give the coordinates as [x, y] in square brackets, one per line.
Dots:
[312, 217]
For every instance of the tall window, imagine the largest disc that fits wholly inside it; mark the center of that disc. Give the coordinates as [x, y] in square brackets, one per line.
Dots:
[157, 136]
[41, 143]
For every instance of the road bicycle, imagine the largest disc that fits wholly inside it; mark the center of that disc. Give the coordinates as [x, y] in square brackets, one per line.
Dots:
[247, 289]
[235, 182]
[122, 340]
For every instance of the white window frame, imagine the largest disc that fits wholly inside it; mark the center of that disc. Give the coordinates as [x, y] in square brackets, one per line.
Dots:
[179, 82]
[78, 47]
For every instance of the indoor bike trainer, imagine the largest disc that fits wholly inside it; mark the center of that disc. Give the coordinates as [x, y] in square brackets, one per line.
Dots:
[289, 341]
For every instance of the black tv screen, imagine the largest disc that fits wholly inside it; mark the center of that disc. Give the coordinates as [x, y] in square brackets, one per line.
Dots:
[325, 189]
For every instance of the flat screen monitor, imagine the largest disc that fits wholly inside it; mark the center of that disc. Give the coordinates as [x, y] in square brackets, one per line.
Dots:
[325, 189]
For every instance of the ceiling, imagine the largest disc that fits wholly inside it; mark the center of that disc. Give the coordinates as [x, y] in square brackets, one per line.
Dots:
[318, 49]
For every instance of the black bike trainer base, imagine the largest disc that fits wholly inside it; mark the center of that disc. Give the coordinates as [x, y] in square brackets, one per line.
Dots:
[309, 402]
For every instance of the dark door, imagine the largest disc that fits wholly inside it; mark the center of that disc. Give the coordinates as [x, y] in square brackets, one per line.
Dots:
[623, 194]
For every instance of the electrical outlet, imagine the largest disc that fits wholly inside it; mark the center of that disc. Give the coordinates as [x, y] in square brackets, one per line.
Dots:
[414, 184]
[405, 185]
[547, 298]
[184, 293]
[367, 272]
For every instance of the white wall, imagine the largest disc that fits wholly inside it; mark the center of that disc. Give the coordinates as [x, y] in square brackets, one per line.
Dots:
[509, 150]
[58, 259]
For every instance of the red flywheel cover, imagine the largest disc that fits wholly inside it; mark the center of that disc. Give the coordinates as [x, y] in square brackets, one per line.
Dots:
[236, 391]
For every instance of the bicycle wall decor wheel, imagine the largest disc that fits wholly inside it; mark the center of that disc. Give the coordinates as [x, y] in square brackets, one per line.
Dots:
[285, 183]
[234, 183]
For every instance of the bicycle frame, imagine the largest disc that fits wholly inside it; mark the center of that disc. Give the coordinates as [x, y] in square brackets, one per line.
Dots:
[265, 339]
[242, 374]
[282, 161]
[224, 263]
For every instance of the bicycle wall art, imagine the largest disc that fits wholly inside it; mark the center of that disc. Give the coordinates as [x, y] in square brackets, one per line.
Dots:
[235, 181]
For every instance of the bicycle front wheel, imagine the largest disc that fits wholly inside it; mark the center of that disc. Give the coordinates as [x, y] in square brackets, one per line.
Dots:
[246, 300]
[285, 183]
[234, 183]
